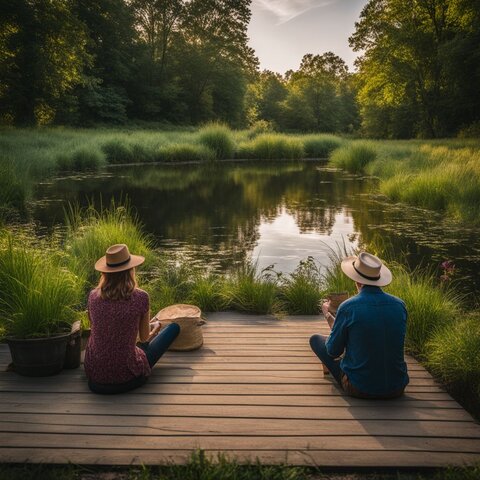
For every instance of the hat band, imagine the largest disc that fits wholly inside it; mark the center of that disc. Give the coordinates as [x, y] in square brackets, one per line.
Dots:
[363, 275]
[119, 264]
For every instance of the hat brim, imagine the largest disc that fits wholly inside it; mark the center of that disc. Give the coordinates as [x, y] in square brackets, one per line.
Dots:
[135, 261]
[347, 268]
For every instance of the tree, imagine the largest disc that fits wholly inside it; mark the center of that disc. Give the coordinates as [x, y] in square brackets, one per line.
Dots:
[42, 57]
[408, 70]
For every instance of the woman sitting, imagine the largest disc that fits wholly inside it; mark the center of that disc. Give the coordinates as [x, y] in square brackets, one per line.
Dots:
[119, 313]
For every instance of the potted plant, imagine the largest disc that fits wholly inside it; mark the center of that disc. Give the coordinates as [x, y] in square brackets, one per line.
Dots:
[37, 296]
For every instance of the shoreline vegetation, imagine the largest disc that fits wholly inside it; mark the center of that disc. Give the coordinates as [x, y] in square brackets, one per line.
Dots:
[442, 336]
[440, 175]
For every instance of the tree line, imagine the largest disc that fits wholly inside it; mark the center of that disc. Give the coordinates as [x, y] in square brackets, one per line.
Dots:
[84, 62]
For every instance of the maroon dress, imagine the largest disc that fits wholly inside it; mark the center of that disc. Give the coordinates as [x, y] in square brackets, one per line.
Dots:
[112, 356]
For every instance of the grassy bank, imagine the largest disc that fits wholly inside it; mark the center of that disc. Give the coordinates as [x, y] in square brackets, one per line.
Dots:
[436, 175]
[28, 155]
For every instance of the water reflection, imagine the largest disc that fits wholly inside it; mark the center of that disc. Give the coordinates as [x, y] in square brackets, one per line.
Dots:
[280, 213]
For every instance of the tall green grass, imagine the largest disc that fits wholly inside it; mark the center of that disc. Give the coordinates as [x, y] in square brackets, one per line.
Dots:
[90, 232]
[320, 146]
[354, 157]
[453, 354]
[37, 294]
[13, 190]
[301, 291]
[272, 146]
[219, 139]
[253, 292]
[430, 307]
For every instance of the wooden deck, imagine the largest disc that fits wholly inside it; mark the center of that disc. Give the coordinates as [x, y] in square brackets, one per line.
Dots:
[255, 390]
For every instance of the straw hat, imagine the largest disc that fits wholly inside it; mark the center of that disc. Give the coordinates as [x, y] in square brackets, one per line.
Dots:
[367, 269]
[117, 259]
[189, 319]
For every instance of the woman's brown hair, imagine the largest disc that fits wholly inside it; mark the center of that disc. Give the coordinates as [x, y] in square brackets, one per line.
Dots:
[117, 285]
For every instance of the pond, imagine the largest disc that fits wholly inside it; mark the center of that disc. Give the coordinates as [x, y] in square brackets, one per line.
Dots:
[276, 213]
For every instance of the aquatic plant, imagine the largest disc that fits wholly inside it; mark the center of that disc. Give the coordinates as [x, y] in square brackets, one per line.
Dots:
[218, 138]
[354, 157]
[37, 294]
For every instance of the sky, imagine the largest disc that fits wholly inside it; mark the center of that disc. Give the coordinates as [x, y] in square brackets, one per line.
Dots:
[282, 31]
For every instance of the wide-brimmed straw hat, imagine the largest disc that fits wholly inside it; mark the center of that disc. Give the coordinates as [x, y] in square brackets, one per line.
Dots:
[117, 259]
[367, 269]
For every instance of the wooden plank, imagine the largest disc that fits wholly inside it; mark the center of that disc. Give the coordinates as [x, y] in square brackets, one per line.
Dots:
[229, 443]
[287, 378]
[203, 389]
[137, 398]
[146, 425]
[245, 411]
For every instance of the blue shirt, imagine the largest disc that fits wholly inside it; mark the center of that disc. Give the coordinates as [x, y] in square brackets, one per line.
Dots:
[370, 328]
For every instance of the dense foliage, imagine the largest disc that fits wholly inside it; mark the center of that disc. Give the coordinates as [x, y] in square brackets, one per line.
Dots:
[72, 61]
[188, 62]
[419, 73]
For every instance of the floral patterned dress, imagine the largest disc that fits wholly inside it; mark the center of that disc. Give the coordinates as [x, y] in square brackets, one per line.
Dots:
[112, 356]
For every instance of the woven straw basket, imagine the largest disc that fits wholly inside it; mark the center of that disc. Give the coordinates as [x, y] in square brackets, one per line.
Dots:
[190, 321]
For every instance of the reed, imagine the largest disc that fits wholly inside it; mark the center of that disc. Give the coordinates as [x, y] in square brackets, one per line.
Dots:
[252, 292]
[453, 354]
[186, 153]
[90, 232]
[207, 292]
[320, 146]
[37, 294]
[218, 138]
[301, 290]
[272, 146]
[354, 157]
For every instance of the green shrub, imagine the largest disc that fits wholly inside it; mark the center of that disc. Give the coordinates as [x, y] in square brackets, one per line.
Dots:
[90, 232]
[36, 293]
[186, 152]
[354, 157]
[320, 146]
[272, 146]
[301, 290]
[219, 139]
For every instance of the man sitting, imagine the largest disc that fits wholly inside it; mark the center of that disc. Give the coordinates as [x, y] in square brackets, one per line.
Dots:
[369, 331]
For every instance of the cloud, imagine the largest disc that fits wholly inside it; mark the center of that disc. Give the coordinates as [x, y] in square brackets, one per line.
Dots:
[286, 10]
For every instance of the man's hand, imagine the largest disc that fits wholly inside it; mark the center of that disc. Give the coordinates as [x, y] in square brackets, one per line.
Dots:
[328, 316]
[325, 307]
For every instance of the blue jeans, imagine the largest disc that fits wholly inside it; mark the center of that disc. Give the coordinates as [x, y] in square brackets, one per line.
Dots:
[317, 343]
[153, 350]
[159, 345]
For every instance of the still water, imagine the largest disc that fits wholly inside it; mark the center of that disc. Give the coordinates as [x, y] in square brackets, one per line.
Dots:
[274, 213]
